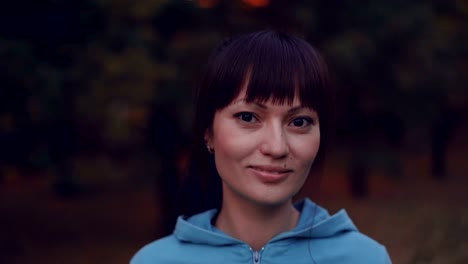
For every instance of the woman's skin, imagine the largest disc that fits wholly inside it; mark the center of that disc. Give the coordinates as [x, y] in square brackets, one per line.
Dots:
[263, 153]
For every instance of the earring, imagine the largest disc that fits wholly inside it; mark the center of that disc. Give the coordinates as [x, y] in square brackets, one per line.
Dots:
[210, 149]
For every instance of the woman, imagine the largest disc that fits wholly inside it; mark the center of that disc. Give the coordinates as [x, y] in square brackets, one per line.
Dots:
[262, 115]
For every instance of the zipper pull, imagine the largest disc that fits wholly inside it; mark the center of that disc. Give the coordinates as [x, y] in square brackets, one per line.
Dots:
[256, 257]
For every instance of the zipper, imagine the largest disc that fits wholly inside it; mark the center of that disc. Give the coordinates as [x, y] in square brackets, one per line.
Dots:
[256, 255]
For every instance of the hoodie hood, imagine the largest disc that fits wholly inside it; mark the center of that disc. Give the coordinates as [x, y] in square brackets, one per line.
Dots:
[314, 222]
[318, 238]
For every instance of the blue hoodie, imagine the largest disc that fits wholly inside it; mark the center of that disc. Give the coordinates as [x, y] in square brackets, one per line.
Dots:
[318, 238]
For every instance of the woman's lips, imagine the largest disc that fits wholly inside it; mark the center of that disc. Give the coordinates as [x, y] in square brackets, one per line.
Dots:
[270, 174]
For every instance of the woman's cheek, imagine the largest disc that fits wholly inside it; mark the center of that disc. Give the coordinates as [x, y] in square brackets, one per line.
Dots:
[239, 145]
[305, 146]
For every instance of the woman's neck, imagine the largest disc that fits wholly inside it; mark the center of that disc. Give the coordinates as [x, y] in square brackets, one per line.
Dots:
[255, 224]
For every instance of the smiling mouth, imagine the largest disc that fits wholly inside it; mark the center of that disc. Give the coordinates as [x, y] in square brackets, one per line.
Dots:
[270, 174]
[272, 170]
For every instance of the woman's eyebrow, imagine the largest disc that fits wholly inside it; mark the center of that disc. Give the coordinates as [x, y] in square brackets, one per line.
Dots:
[296, 109]
[243, 101]
[260, 105]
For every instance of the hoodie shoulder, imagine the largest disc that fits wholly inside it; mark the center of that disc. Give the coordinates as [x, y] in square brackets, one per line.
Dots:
[363, 249]
[158, 251]
[350, 247]
[193, 241]
[339, 233]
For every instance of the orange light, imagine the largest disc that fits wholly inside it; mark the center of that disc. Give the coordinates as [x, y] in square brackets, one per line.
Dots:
[207, 3]
[257, 3]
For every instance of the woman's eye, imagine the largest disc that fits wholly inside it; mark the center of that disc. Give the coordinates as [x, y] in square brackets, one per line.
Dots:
[247, 117]
[302, 122]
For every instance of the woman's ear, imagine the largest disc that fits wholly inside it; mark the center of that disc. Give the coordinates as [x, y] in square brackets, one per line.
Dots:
[209, 140]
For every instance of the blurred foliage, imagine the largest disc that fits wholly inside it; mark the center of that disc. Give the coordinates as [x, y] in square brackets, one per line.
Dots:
[101, 66]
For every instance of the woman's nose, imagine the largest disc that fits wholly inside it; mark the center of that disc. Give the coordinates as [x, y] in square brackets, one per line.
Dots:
[274, 142]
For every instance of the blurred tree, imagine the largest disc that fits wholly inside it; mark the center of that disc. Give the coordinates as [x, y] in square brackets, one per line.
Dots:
[89, 72]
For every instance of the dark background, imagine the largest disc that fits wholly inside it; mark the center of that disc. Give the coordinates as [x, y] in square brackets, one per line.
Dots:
[96, 107]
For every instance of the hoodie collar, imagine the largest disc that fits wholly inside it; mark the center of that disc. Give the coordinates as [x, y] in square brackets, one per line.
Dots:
[199, 230]
[314, 222]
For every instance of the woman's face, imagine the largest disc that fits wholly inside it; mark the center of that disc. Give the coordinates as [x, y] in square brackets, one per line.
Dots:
[263, 151]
